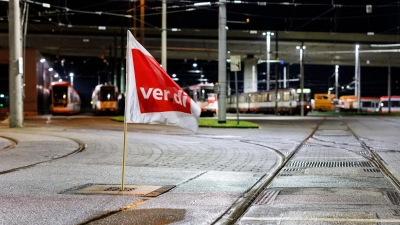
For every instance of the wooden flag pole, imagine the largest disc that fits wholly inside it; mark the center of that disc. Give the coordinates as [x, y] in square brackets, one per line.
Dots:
[125, 109]
[124, 156]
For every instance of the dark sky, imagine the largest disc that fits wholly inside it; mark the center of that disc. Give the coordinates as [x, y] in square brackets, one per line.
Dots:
[341, 16]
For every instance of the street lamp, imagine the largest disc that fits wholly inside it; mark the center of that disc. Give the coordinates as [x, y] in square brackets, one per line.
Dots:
[336, 81]
[301, 48]
[268, 39]
[71, 75]
[42, 61]
[357, 85]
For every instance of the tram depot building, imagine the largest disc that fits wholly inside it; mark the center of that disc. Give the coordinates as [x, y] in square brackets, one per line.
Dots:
[36, 80]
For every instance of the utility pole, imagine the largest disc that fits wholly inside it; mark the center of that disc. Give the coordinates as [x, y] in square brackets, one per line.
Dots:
[142, 4]
[357, 75]
[389, 87]
[16, 65]
[268, 59]
[276, 75]
[164, 35]
[222, 62]
[337, 81]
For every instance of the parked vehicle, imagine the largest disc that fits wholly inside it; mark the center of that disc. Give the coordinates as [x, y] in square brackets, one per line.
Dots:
[323, 102]
[205, 97]
[105, 99]
[394, 104]
[64, 99]
[285, 101]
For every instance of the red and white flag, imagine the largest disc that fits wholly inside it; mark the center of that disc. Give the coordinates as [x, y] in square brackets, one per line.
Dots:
[151, 95]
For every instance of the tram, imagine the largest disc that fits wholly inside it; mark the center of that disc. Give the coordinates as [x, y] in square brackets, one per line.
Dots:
[368, 104]
[105, 99]
[205, 97]
[286, 101]
[64, 99]
[394, 104]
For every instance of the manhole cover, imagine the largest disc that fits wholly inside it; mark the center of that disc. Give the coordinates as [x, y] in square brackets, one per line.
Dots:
[115, 189]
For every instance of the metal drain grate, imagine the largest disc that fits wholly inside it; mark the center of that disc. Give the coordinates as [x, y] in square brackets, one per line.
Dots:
[393, 196]
[291, 169]
[372, 170]
[134, 190]
[285, 174]
[330, 164]
[118, 189]
[266, 198]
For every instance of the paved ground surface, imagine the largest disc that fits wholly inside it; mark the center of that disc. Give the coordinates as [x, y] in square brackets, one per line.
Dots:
[207, 172]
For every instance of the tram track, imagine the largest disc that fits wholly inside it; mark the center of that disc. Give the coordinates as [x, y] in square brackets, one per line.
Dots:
[370, 155]
[243, 203]
[14, 142]
[239, 208]
[376, 159]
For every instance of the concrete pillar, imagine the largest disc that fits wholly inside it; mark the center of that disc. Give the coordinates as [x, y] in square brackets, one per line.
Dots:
[250, 75]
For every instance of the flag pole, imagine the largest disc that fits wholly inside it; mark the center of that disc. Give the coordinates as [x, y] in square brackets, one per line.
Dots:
[125, 123]
[124, 155]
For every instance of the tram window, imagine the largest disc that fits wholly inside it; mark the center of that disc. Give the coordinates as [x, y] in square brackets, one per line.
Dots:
[271, 97]
[242, 99]
[60, 95]
[107, 94]
[203, 94]
[279, 96]
[366, 104]
[192, 94]
[286, 96]
[253, 98]
[260, 98]
[307, 97]
[396, 104]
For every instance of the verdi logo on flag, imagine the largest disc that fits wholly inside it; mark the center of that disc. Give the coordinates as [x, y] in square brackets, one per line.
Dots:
[157, 93]
[151, 95]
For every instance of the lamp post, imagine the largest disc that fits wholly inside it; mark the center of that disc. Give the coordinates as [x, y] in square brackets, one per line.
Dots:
[336, 81]
[164, 35]
[357, 86]
[389, 87]
[222, 62]
[43, 72]
[71, 75]
[301, 79]
[268, 39]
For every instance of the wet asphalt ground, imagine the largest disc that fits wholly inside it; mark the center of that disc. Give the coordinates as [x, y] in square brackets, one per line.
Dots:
[186, 178]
